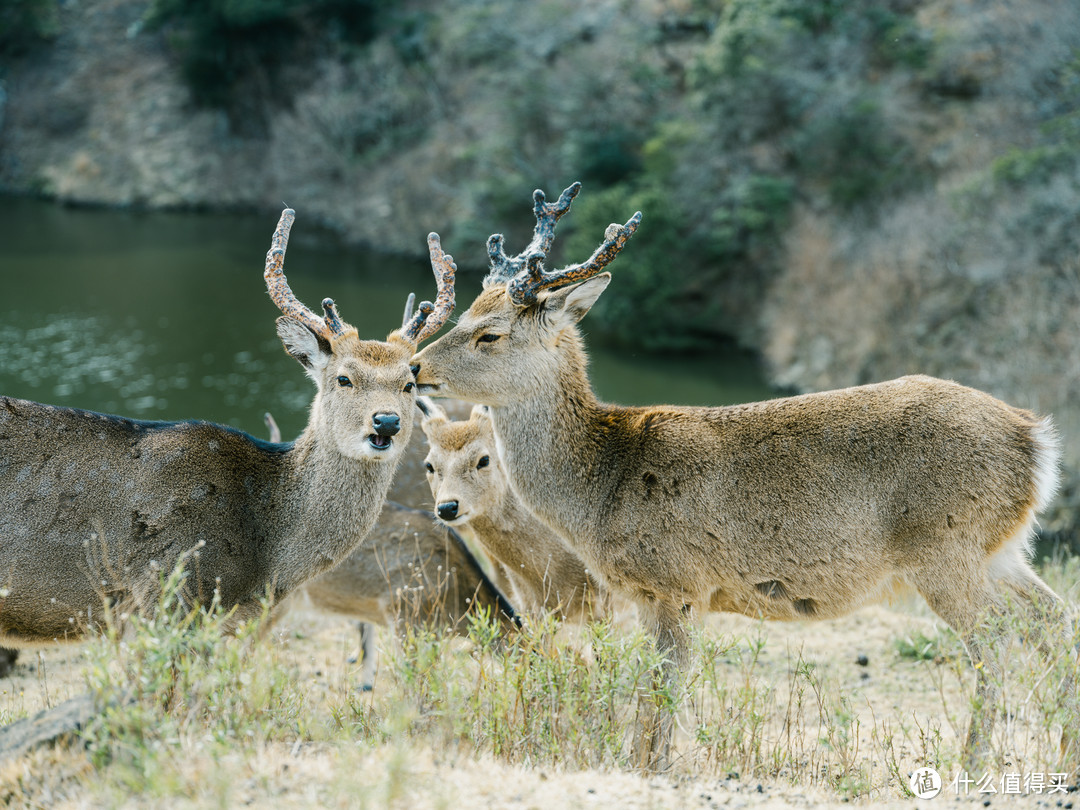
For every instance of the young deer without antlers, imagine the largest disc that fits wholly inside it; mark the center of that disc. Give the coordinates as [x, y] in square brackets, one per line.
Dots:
[410, 571]
[798, 508]
[92, 507]
[471, 491]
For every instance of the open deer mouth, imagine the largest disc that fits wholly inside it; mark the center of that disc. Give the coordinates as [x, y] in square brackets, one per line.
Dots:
[380, 442]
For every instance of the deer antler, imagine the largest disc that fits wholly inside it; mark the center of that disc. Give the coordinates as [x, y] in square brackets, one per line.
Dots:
[525, 274]
[504, 268]
[523, 288]
[329, 327]
[430, 317]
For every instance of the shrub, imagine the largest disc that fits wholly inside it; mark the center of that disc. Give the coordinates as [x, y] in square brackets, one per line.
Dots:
[849, 148]
[25, 23]
[179, 674]
[222, 43]
[670, 272]
[1036, 165]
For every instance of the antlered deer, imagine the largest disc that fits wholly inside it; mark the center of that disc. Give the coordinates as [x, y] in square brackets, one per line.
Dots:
[410, 570]
[795, 508]
[93, 507]
[471, 491]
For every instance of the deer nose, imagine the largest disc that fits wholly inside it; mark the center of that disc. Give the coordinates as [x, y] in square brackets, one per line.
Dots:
[415, 369]
[386, 424]
[448, 510]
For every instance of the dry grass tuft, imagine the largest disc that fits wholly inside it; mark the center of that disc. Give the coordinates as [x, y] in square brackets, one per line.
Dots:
[813, 713]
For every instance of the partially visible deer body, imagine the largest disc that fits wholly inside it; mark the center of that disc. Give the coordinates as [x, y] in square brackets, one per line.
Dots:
[94, 507]
[803, 507]
[410, 570]
[471, 491]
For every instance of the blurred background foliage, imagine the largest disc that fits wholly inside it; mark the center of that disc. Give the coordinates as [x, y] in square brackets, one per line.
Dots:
[228, 49]
[26, 24]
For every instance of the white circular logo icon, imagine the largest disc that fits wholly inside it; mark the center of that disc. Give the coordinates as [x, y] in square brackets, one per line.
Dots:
[925, 783]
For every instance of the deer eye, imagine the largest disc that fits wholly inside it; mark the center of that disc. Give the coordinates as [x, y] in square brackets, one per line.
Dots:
[483, 462]
[430, 469]
[488, 338]
[408, 387]
[344, 381]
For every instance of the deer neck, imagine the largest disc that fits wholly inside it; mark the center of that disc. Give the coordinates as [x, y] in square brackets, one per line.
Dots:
[331, 503]
[551, 443]
[509, 531]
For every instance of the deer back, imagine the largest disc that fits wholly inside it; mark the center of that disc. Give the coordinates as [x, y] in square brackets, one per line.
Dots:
[94, 505]
[411, 570]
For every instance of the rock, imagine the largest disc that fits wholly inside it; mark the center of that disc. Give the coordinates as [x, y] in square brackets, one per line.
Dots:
[46, 726]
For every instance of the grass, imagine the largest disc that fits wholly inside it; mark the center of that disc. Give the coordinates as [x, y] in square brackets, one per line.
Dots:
[940, 646]
[196, 715]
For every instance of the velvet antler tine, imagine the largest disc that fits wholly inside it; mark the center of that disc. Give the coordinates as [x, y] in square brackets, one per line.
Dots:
[430, 317]
[272, 426]
[547, 217]
[442, 265]
[410, 302]
[277, 285]
[333, 321]
[503, 267]
[501, 264]
[525, 286]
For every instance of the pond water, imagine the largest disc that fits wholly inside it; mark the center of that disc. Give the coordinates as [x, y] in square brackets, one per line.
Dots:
[166, 316]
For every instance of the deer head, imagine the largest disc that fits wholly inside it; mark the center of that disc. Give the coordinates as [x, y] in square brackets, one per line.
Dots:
[365, 397]
[509, 338]
[462, 464]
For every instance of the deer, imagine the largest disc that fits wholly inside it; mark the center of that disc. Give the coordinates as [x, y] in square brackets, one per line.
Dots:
[800, 507]
[471, 491]
[95, 509]
[410, 571]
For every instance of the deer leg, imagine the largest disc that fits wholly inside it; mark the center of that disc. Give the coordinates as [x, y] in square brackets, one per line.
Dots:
[974, 610]
[7, 660]
[366, 655]
[666, 622]
[1048, 628]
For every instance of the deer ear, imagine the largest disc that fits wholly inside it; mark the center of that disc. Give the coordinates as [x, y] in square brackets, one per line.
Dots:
[433, 412]
[311, 350]
[480, 412]
[572, 303]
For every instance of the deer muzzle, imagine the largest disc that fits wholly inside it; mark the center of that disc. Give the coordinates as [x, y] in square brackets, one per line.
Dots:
[448, 510]
[385, 426]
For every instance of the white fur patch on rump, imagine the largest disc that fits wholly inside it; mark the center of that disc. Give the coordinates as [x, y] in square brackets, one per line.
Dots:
[1012, 558]
[1047, 462]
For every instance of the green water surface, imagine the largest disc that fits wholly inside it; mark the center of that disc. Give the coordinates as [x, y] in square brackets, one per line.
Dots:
[166, 316]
